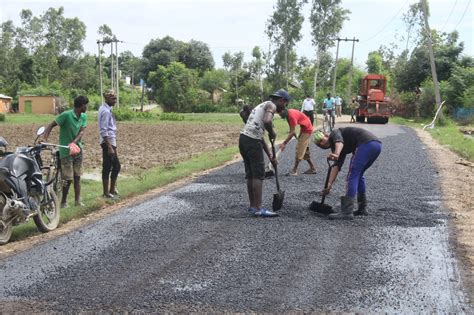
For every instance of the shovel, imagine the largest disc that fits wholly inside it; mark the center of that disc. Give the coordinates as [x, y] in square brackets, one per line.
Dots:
[320, 207]
[279, 195]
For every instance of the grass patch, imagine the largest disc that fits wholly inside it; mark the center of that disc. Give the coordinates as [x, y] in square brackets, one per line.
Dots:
[448, 135]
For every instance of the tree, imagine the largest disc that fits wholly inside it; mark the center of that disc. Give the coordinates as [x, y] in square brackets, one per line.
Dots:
[233, 64]
[255, 68]
[194, 55]
[174, 86]
[327, 18]
[284, 30]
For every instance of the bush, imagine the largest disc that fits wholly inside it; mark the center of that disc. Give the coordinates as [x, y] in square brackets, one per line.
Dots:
[204, 108]
[124, 114]
[3, 117]
[171, 116]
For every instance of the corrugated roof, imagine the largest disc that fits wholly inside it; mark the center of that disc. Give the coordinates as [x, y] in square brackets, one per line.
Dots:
[4, 96]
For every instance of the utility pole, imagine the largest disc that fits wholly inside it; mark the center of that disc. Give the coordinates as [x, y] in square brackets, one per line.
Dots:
[114, 69]
[424, 7]
[335, 64]
[349, 89]
[100, 73]
[335, 68]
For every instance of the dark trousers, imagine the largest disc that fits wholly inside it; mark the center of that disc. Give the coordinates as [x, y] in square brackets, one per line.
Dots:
[310, 114]
[110, 163]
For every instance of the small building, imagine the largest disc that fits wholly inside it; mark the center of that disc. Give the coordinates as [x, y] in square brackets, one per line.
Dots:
[38, 104]
[5, 103]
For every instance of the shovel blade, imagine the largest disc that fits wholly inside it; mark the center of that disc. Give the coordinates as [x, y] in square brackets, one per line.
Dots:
[278, 200]
[320, 208]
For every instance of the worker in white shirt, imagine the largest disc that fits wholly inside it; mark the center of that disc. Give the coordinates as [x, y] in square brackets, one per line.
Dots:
[308, 108]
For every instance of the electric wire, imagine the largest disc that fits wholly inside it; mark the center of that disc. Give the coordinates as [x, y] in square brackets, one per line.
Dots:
[447, 19]
[462, 17]
[386, 25]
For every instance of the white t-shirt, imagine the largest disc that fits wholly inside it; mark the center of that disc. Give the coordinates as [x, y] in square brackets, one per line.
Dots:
[254, 127]
[308, 104]
[338, 101]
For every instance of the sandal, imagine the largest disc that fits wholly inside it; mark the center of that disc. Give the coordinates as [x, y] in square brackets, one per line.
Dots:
[292, 174]
[310, 171]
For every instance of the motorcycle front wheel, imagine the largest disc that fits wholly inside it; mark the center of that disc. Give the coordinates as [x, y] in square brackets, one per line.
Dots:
[48, 217]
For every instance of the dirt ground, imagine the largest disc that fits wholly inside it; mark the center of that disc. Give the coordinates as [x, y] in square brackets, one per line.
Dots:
[143, 146]
[140, 146]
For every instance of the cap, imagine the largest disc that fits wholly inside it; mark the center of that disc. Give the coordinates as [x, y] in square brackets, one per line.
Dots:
[281, 94]
[318, 135]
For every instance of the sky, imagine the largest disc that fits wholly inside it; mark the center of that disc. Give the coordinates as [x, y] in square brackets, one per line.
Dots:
[239, 25]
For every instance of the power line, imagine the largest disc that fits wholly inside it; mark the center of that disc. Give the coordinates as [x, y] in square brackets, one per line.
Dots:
[386, 25]
[447, 19]
[462, 17]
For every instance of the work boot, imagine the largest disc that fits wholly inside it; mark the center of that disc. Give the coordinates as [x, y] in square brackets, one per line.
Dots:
[347, 207]
[362, 205]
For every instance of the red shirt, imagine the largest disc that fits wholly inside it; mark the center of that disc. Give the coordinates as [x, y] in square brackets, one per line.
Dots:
[295, 117]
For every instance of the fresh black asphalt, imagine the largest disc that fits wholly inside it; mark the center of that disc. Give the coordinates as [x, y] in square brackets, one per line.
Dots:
[197, 249]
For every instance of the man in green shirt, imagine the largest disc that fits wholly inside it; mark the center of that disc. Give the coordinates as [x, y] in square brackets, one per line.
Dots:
[72, 124]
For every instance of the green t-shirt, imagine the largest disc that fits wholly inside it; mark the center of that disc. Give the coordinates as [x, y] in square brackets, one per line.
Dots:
[69, 126]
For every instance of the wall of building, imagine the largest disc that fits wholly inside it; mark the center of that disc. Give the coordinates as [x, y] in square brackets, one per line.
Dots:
[39, 104]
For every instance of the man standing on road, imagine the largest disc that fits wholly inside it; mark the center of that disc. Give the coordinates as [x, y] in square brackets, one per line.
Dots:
[108, 142]
[308, 108]
[251, 148]
[338, 102]
[72, 124]
[365, 148]
[294, 118]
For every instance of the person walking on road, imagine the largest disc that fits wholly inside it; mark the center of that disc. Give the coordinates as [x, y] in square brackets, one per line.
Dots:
[354, 106]
[308, 108]
[338, 103]
[295, 118]
[108, 142]
[72, 124]
[365, 148]
[251, 148]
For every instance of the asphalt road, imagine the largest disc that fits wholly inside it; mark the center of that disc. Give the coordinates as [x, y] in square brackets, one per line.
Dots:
[196, 248]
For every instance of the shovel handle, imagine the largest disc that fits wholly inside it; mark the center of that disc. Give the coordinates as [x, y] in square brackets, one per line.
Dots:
[327, 179]
[275, 167]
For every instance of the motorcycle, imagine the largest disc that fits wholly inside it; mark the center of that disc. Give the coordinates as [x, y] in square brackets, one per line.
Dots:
[26, 189]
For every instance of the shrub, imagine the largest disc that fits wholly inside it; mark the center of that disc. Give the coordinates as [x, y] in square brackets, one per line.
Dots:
[171, 116]
[2, 117]
[124, 114]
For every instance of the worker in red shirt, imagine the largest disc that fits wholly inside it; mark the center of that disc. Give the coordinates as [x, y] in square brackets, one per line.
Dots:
[294, 118]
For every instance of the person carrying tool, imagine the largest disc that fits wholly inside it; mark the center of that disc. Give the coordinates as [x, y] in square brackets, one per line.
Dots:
[72, 124]
[294, 118]
[251, 148]
[365, 148]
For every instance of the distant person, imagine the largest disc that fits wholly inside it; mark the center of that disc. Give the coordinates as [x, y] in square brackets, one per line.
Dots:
[294, 118]
[365, 148]
[108, 141]
[338, 103]
[329, 107]
[72, 124]
[354, 106]
[252, 146]
[308, 108]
